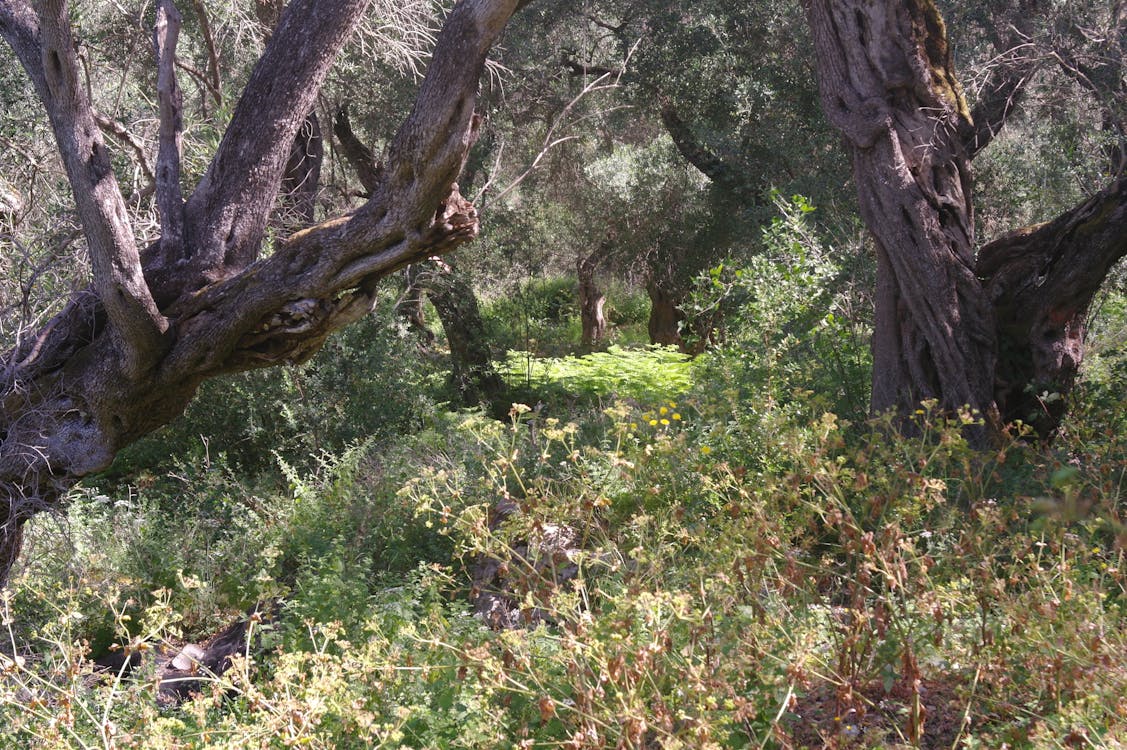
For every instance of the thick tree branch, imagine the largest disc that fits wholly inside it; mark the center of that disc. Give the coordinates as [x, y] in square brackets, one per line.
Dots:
[999, 98]
[227, 212]
[358, 155]
[703, 158]
[113, 252]
[20, 29]
[170, 203]
[302, 176]
[1042, 280]
[65, 410]
[1008, 74]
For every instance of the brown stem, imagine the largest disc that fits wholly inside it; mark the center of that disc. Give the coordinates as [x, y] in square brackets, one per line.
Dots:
[214, 85]
[170, 202]
[113, 252]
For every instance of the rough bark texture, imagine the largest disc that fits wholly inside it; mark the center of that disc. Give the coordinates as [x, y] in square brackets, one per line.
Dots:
[1005, 335]
[886, 80]
[170, 202]
[591, 300]
[119, 362]
[1042, 280]
[471, 359]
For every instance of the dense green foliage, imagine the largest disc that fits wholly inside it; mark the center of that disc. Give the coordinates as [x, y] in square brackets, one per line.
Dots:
[747, 563]
[705, 551]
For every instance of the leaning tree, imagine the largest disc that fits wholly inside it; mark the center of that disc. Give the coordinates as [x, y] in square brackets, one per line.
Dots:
[128, 352]
[1001, 331]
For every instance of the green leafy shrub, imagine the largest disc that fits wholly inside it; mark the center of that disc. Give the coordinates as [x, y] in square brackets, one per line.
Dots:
[791, 329]
[367, 381]
[539, 315]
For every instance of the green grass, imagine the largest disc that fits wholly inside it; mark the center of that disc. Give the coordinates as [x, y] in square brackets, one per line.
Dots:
[644, 373]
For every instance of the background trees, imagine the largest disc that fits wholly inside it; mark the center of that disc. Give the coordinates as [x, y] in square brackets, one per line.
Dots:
[727, 549]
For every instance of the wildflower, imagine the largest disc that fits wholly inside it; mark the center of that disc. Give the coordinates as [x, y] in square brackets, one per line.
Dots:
[663, 410]
[653, 423]
[705, 450]
[676, 417]
[665, 422]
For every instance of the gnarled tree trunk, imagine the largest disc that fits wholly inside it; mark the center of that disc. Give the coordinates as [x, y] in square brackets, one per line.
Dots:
[887, 82]
[983, 335]
[127, 355]
[471, 358]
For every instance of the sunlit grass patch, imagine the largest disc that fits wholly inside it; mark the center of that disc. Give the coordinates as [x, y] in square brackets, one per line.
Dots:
[644, 374]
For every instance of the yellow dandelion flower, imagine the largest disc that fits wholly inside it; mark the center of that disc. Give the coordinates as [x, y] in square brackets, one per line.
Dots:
[663, 410]
[672, 404]
[665, 422]
[676, 417]
[653, 423]
[705, 450]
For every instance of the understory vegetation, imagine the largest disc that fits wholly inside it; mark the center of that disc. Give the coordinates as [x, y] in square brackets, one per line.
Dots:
[608, 477]
[716, 552]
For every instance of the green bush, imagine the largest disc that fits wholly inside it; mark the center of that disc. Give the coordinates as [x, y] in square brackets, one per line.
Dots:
[539, 315]
[791, 329]
[367, 381]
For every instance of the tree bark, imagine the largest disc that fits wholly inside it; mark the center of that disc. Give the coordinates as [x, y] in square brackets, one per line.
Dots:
[887, 83]
[591, 300]
[472, 373]
[1042, 280]
[359, 156]
[664, 324]
[68, 404]
[302, 177]
[1003, 335]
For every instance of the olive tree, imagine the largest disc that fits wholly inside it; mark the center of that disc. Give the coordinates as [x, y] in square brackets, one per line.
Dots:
[212, 296]
[996, 328]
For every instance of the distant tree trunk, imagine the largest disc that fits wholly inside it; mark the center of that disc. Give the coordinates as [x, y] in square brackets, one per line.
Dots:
[471, 359]
[665, 316]
[359, 156]
[591, 300]
[989, 336]
[410, 306]
[302, 177]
